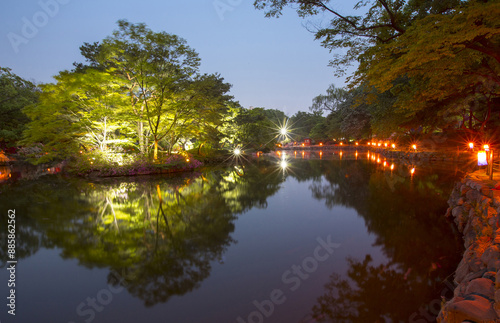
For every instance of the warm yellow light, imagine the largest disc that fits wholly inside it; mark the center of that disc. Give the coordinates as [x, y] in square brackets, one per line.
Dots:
[414, 147]
[303, 145]
[471, 145]
[187, 160]
[81, 152]
[481, 158]
[237, 151]
[486, 147]
[385, 144]
[392, 166]
[378, 160]
[379, 144]
[385, 163]
[369, 144]
[393, 146]
[357, 144]
[321, 144]
[341, 143]
[412, 171]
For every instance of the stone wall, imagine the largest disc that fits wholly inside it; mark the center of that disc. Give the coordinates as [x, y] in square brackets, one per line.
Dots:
[475, 208]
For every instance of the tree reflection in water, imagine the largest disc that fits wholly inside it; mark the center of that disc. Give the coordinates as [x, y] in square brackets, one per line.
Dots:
[160, 234]
[406, 213]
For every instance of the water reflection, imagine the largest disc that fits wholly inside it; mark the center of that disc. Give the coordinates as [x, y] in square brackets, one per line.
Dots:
[160, 234]
[164, 235]
[405, 211]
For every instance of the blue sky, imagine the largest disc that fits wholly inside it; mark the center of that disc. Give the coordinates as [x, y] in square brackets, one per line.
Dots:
[272, 63]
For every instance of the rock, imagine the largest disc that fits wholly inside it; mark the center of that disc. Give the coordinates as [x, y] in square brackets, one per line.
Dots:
[474, 275]
[486, 191]
[458, 211]
[491, 275]
[493, 264]
[491, 253]
[461, 272]
[481, 286]
[472, 195]
[474, 307]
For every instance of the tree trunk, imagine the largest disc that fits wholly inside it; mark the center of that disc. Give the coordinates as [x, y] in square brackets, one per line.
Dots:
[156, 150]
[140, 134]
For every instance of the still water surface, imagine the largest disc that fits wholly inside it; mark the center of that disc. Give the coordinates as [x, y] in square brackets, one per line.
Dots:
[336, 239]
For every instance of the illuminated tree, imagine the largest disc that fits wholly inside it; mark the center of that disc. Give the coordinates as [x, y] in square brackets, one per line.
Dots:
[80, 110]
[161, 65]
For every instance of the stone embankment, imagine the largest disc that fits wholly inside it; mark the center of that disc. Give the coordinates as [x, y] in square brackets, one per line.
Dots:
[475, 208]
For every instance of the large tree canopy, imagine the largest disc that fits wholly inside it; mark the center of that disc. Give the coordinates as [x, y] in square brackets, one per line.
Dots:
[437, 62]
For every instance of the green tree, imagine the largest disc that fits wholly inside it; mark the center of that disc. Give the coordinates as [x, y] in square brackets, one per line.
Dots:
[451, 64]
[160, 66]
[80, 110]
[256, 131]
[328, 102]
[303, 122]
[15, 94]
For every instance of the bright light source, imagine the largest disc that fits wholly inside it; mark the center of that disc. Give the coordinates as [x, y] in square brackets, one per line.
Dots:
[237, 151]
[283, 131]
[471, 145]
[412, 171]
[284, 164]
[414, 147]
[393, 146]
[385, 144]
[481, 158]
[486, 147]
[357, 144]
[392, 166]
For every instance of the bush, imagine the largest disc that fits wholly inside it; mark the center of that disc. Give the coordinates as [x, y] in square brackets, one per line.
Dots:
[120, 164]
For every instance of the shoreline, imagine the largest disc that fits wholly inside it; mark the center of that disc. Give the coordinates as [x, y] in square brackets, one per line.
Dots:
[474, 205]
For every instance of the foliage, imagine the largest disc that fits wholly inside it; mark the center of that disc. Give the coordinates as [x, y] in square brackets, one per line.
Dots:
[139, 87]
[450, 61]
[15, 94]
[328, 102]
[104, 164]
[302, 123]
[256, 130]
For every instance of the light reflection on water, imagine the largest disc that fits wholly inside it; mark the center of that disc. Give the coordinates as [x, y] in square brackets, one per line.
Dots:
[208, 246]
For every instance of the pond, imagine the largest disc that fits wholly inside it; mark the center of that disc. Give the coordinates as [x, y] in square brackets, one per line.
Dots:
[314, 238]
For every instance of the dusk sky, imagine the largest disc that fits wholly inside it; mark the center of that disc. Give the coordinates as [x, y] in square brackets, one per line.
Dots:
[271, 63]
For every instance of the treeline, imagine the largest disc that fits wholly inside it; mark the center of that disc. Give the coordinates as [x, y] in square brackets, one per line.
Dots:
[423, 66]
[137, 91]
